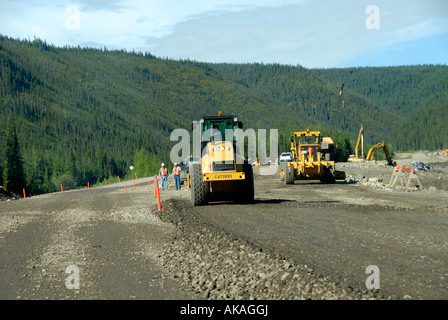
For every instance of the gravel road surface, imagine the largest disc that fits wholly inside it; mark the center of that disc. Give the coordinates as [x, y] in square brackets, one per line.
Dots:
[301, 241]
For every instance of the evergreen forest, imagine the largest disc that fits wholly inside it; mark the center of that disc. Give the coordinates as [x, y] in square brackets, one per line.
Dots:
[76, 116]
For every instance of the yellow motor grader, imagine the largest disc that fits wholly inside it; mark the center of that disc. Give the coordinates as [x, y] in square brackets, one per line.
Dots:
[313, 158]
[221, 173]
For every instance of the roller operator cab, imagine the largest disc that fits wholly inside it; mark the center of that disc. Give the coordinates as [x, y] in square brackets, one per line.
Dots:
[221, 173]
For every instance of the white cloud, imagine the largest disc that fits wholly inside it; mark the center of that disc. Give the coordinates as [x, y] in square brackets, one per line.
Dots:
[308, 32]
[294, 34]
[313, 34]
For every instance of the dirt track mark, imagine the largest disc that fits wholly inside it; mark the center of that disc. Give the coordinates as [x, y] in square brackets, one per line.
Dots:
[220, 265]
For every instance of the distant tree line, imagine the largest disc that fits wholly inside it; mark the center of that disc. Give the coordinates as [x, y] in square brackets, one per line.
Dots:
[83, 115]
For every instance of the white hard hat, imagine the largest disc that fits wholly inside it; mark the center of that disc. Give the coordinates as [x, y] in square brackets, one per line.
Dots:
[162, 164]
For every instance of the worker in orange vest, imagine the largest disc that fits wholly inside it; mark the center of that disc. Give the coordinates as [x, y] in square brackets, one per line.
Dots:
[163, 173]
[176, 173]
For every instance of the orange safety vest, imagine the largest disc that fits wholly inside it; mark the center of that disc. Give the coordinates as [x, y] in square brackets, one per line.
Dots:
[164, 171]
[176, 171]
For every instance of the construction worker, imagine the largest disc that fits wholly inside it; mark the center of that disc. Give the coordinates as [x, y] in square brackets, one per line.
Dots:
[176, 173]
[163, 173]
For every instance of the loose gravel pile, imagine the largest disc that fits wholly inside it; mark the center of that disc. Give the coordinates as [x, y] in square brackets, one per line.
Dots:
[420, 166]
[378, 174]
[218, 265]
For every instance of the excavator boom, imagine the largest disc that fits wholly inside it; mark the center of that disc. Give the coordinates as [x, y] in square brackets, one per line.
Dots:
[360, 139]
[380, 145]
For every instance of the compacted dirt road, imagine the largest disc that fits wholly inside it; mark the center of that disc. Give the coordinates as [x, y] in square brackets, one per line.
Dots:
[107, 234]
[301, 241]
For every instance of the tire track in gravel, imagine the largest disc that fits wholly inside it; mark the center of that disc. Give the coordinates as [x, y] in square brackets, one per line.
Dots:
[221, 265]
[232, 251]
[341, 240]
[112, 238]
[17, 267]
[53, 246]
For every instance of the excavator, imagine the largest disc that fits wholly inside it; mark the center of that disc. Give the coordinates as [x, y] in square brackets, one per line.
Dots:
[380, 145]
[355, 157]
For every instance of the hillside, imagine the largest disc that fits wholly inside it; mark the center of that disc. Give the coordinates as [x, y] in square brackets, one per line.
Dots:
[418, 95]
[401, 89]
[85, 112]
[82, 114]
[424, 129]
[308, 99]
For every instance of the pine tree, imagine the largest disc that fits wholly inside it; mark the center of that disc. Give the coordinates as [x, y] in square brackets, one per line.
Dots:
[13, 174]
[144, 164]
[1, 172]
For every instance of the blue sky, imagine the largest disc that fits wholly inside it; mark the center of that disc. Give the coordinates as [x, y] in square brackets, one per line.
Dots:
[312, 33]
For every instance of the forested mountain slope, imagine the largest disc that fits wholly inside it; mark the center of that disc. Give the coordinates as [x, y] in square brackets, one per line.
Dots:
[424, 129]
[401, 89]
[417, 94]
[309, 99]
[86, 112]
[82, 114]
